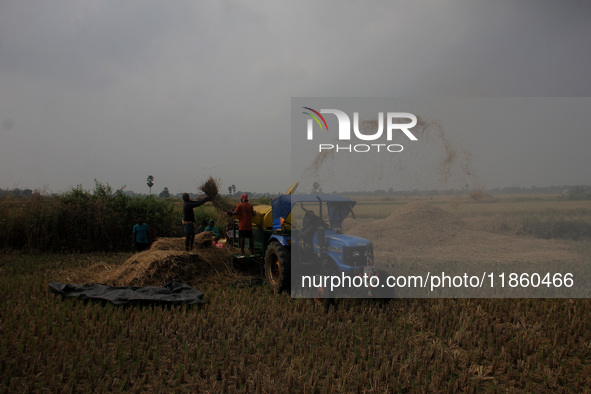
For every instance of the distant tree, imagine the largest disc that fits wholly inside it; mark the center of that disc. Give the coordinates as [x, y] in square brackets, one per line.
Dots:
[164, 193]
[102, 190]
[19, 192]
[229, 189]
[233, 188]
[316, 188]
[578, 192]
[150, 182]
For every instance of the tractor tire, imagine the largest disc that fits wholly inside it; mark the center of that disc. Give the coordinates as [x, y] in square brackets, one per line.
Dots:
[278, 267]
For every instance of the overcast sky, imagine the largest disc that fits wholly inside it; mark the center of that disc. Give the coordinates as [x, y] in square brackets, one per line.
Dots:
[119, 90]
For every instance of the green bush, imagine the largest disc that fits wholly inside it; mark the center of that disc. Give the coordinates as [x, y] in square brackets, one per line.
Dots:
[578, 193]
[80, 220]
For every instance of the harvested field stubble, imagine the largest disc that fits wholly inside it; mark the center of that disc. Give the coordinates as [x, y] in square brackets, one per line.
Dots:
[249, 340]
[246, 339]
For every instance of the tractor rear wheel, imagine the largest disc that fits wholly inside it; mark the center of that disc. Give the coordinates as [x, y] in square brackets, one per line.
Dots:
[278, 267]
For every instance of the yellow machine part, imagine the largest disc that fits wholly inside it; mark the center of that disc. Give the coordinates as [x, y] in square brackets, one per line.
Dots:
[264, 214]
[264, 218]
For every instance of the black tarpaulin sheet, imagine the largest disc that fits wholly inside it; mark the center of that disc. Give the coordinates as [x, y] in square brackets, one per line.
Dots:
[171, 293]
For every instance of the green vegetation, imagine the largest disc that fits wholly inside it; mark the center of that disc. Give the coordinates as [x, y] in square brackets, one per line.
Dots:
[578, 193]
[80, 220]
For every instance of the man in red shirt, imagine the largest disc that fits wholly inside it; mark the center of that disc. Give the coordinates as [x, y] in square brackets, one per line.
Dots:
[245, 212]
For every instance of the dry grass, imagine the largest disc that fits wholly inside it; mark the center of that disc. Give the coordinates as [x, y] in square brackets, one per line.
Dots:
[249, 340]
[221, 205]
[168, 244]
[246, 339]
[465, 207]
[167, 260]
[210, 187]
[420, 232]
[501, 224]
[477, 194]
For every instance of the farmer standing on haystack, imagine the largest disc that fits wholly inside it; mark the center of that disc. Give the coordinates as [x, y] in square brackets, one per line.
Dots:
[189, 218]
[245, 212]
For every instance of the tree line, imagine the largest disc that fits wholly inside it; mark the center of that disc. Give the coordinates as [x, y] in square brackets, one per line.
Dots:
[81, 220]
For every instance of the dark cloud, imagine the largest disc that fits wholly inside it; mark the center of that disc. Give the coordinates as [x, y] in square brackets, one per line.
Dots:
[117, 90]
[7, 125]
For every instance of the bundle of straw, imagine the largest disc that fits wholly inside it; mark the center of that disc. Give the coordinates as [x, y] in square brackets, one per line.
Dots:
[210, 188]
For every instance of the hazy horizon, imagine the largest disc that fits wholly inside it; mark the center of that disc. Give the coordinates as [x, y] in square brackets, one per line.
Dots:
[118, 91]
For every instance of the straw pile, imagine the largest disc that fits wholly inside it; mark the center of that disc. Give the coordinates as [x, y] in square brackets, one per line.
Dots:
[167, 260]
[202, 240]
[415, 225]
[481, 195]
[421, 233]
[500, 224]
[168, 244]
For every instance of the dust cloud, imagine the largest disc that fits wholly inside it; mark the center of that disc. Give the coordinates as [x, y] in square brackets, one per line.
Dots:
[436, 161]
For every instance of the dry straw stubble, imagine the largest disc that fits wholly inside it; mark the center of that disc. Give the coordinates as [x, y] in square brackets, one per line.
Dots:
[210, 188]
[167, 260]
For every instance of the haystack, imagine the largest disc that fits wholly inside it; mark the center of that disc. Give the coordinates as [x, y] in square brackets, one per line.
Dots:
[421, 233]
[202, 240]
[416, 225]
[481, 195]
[167, 260]
[168, 244]
[500, 224]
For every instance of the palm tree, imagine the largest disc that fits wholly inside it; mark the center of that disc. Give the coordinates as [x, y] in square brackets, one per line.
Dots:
[150, 182]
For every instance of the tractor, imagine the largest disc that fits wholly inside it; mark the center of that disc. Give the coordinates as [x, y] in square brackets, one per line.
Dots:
[312, 246]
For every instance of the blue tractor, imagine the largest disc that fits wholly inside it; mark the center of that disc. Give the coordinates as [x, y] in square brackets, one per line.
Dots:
[312, 245]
